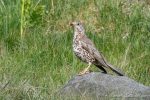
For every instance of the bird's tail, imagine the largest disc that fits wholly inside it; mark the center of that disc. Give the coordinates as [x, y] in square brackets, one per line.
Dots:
[103, 69]
[115, 70]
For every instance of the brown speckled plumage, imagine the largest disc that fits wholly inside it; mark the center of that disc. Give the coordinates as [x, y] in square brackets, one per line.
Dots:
[85, 50]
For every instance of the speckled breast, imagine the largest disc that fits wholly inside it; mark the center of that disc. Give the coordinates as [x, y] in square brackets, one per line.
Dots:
[81, 53]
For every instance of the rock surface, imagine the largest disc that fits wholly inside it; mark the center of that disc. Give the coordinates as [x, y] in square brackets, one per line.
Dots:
[99, 85]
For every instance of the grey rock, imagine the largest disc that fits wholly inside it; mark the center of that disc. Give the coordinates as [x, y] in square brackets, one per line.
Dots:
[98, 85]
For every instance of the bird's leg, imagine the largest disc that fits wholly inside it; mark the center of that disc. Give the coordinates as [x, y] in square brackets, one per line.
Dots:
[86, 70]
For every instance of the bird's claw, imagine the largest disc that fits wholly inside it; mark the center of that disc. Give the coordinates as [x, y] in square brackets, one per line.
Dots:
[84, 72]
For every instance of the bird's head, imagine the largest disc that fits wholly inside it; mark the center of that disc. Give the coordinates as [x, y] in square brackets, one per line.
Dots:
[78, 26]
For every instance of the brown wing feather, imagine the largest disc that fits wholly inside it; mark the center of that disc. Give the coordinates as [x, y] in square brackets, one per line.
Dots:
[88, 45]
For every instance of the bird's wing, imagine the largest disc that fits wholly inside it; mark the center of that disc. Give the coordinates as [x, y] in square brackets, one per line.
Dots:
[88, 45]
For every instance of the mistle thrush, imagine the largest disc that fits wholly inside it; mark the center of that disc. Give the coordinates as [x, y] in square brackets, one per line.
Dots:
[85, 50]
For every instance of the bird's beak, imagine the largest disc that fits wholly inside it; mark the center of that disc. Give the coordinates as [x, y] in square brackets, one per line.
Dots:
[72, 23]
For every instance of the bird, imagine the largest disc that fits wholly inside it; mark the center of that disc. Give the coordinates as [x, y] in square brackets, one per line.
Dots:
[86, 51]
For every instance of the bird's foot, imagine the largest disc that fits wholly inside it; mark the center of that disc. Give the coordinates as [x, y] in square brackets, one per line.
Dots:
[85, 71]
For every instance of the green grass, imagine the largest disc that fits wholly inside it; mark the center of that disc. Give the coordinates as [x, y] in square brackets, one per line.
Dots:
[36, 57]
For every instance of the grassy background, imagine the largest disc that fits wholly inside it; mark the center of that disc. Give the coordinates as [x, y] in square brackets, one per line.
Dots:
[36, 56]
